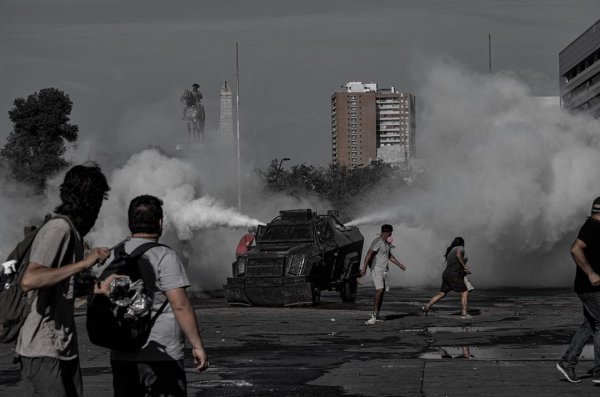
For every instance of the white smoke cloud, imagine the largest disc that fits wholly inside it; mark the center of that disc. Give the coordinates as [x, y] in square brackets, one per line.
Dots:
[207, 212]
[200, 227]
[512, 175]
[172, 180]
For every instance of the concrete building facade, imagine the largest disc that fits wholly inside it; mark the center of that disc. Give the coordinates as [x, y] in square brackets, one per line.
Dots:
[579, 70]
[370, 124]
[226, 113]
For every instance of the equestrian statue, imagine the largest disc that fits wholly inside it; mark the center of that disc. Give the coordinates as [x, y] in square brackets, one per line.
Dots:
[193, 113]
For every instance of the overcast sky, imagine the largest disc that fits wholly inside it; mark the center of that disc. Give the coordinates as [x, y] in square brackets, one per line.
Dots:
[125, 63]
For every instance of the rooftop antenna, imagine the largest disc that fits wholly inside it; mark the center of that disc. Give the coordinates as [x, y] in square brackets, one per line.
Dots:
[237, 110]
[490, 51]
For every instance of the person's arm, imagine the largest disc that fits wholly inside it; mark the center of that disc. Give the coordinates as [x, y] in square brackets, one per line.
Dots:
[578, 255]
[39, 276]
[185, 316]
[461, 260]
[397, 262]
[368, 259]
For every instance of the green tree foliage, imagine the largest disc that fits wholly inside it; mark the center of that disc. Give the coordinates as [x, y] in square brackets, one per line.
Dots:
[340, 185]
[35, 147]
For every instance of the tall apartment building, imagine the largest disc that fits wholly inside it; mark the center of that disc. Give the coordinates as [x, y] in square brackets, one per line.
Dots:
[579, 69]
[369, 124]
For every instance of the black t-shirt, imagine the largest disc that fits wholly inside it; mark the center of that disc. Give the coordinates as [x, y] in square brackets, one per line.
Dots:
[590, 235]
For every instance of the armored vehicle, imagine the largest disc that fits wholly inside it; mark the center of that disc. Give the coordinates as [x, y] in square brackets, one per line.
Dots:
[297, 255]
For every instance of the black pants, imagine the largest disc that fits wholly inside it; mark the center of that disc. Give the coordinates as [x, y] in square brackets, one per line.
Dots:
[149, 378]
[51, 377]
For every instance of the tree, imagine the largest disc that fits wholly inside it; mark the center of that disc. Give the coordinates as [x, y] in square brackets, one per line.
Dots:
[35, 147]
[342, 186]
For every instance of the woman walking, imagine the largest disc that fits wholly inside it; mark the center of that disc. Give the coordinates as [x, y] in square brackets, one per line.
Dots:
[453, 278]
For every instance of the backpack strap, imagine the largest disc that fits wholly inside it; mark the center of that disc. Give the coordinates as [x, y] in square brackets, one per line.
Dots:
[141, 250]
[27, 247]
[159, 311]
[144, 272]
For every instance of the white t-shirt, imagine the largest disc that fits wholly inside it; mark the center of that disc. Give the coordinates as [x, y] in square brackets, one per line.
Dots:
[382, 253]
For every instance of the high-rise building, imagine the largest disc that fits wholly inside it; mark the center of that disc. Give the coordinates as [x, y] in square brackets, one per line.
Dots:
[579, 69]
[369, 124]
[226, 113]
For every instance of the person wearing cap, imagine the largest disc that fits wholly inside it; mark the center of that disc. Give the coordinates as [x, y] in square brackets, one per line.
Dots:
[377, 259]
[245, 242]
[585, 251]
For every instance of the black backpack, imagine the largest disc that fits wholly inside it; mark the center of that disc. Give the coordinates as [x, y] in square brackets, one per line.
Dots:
[108, 322]
[14, 303]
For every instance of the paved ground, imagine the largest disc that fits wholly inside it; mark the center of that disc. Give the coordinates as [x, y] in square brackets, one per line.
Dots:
[508, 348]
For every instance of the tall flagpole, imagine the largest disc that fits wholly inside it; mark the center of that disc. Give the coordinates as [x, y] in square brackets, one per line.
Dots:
[237, 106]
[490, 51]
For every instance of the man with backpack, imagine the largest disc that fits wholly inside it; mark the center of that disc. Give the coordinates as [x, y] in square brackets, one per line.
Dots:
[157, 368]
[47, 341]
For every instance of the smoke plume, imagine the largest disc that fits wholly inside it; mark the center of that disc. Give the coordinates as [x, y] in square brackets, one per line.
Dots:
[200, 227]
[511, 174]
[174, 181]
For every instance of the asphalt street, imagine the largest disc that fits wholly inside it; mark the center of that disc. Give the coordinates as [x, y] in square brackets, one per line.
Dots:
[508, 347]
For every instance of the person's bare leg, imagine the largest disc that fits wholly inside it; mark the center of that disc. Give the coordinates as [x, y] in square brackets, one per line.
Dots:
[464, 296]
[378, 301]
[436, 298]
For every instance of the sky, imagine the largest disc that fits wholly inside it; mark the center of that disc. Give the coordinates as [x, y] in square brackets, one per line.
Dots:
[125, 63]
[509, 173]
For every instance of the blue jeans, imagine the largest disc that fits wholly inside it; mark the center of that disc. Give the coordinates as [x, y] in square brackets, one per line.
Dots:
[589, 328]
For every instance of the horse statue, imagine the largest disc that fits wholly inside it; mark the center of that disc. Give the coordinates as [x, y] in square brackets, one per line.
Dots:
[193, 113]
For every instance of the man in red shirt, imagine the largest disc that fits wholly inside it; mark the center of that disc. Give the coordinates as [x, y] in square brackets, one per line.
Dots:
[245, 242]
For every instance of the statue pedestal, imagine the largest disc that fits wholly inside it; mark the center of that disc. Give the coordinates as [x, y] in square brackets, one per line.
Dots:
[193, 146]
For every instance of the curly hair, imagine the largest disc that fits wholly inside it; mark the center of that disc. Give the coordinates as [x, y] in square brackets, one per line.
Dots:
[82, 192]
[144, 214]
[457, 242]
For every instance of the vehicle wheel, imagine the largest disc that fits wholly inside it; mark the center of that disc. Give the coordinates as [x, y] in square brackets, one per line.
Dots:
[349, 290]
[316, 294]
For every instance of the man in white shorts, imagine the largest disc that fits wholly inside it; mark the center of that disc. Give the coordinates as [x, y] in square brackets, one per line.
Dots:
[377, 259]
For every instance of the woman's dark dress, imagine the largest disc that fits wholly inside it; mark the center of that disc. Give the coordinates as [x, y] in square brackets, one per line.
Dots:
[453, 278]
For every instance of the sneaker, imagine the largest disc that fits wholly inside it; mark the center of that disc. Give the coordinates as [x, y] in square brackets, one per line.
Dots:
[596, 377]
[465, 316]
[373, 320]
[569, 373]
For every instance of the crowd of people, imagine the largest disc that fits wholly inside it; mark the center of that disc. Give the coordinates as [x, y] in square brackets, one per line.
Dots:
[47, 343]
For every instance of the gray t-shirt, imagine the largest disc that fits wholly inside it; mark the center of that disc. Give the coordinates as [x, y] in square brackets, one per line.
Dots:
[49, 329]
[382, 254]
[166, 341]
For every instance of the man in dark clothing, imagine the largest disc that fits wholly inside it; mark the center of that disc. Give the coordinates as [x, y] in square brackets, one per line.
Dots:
[586, 254]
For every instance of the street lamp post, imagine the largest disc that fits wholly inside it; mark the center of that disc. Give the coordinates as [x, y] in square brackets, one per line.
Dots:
[279, 170]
